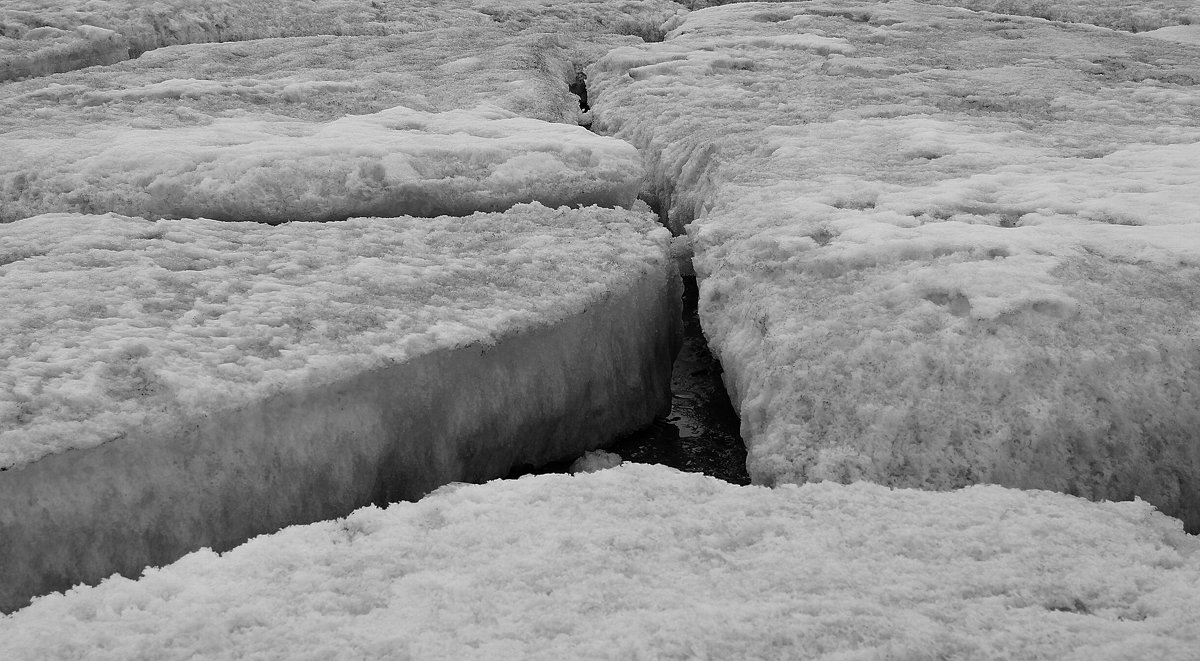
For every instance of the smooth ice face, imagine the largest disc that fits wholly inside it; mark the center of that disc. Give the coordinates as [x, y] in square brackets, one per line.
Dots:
[931, 254]
[646, 562]
[395, 162]
[113, 322]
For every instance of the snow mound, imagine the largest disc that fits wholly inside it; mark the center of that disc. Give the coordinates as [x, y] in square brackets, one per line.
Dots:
[596, 460]
[395, 162]
[929, 257]
[646, 562]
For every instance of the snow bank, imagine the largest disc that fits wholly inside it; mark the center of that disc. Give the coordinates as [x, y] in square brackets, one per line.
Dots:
[39, 37]
[646, 562]
[928, 255]
[395, 162]
[176, 384]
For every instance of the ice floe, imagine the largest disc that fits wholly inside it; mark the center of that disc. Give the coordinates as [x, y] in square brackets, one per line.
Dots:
[645, 562]
[183, 383]
[942, 248]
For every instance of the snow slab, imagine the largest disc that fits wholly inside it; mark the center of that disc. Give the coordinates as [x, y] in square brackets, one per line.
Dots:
[41, 37]
[167, 385]
[395, 162]
[929, 254]
[314, 79]
[643, 562]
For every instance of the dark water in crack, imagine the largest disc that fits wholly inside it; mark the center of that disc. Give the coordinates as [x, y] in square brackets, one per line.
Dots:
[701, 433]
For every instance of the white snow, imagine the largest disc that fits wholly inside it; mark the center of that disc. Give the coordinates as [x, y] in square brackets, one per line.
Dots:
[1132, 15]
[312, 79]
[935, 256]
[112, 322]
[1185, 34]
[177, 384]
[40, 37]
[394, 162]
[643, 562]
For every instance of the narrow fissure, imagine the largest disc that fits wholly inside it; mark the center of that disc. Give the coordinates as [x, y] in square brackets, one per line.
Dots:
[701, 434]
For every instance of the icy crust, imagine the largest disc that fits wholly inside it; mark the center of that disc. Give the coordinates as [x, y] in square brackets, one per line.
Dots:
[930, 257]
[394, 162]
[646, 562]
[313, 79]
[114, 323]
[41, 37]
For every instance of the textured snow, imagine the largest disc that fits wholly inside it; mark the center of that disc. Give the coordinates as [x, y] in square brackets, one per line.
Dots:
[113, 322]
[1131, 15]
[311, 79]
[394, 162]
[930, 254]
[645, 562]
[39, 37]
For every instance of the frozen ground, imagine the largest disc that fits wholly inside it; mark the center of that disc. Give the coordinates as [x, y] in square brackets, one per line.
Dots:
[176, 384]
[642, 562]
[935, 249]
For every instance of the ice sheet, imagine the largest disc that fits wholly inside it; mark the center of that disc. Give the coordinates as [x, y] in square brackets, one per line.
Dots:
[645, 562]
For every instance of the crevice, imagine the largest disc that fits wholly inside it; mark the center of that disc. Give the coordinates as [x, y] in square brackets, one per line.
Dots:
[701, 433]
[579, 89]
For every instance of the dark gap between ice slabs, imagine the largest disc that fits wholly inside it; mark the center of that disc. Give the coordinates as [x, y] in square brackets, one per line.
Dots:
[701, 434]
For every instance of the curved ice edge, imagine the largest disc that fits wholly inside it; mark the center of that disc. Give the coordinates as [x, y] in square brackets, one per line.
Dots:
[462, 414]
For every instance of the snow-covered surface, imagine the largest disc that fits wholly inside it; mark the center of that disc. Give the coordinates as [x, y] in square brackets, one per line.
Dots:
[642, 562]
[39, 37]
[112, 323]
[1130, 15]
[394, 162]
[935, 247]
[174, 385]
[310, 78]
[1185, 34]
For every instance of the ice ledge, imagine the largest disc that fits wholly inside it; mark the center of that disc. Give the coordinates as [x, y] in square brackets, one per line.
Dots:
[462, 414]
